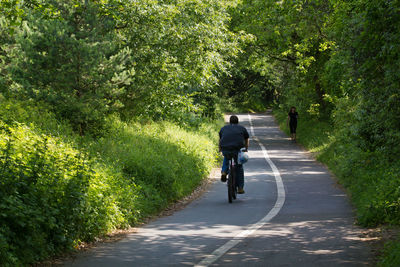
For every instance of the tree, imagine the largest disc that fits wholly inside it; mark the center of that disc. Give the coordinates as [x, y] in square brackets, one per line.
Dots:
[367, 60]
[180, 50]
[291, 42]
[73, 63]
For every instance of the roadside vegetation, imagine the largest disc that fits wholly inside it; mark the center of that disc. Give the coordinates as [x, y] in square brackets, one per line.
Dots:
[109, 109]
[337, 62]
[59, 189]
[109, 113]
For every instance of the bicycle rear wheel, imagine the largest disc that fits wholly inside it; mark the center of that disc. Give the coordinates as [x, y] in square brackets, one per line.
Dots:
[230, 187]
[232, 184]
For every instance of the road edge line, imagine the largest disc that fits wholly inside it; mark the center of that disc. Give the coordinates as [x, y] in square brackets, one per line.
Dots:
[280, 201]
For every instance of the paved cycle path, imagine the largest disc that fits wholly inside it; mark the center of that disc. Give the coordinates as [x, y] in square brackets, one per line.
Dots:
[313, 227]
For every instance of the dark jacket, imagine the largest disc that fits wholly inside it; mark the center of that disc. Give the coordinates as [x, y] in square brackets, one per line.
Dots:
[232, 137]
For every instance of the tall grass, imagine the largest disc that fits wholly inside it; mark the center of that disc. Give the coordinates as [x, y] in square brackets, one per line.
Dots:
[58, 189]
[391, 254]
[164, 160]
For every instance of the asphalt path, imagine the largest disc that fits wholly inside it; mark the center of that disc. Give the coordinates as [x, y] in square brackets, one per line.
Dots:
[293, 214]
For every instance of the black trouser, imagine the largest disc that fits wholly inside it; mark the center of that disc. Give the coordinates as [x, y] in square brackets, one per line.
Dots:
[293, 126]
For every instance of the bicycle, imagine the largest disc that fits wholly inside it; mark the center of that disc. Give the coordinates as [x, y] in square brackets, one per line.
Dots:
[231, 183]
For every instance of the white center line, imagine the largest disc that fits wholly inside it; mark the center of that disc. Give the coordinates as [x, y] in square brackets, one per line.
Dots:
[280, 200]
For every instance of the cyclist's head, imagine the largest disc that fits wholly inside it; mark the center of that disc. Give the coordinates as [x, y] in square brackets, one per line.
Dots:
[233, 119]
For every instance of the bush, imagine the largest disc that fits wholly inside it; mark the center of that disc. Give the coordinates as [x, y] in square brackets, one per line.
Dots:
[58, 189]
[37, 114]
[373, 183]
[50, 196]
[391, 255]
[165, 160]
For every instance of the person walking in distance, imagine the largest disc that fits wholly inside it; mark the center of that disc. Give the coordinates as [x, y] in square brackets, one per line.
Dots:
[292, 122]
[232, 138]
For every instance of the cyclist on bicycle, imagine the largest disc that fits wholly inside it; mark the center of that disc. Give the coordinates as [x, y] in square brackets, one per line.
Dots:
[232, 138]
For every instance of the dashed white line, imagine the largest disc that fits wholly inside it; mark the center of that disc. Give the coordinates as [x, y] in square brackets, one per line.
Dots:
[280, 200]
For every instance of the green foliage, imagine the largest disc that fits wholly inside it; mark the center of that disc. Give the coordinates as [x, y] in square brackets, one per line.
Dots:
[361, 82]
[391, 255]
[68, 70]
[87, 59]
[180, 50]
[37, 114]
[337, 62]
[364, 66]
[163, 159]
[55, 194]
[290, 47]
[46, 195]
[371, 180]
[79, 66]
[62, 62]
[246, 88]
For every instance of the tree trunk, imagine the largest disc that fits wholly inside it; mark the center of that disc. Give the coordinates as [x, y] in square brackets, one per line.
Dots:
[320, 92]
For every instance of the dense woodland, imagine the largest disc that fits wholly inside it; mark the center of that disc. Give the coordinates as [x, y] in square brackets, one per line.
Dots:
[95, 95]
